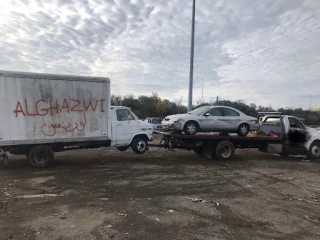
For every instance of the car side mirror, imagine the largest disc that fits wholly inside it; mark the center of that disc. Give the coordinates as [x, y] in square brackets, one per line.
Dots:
[207, 114]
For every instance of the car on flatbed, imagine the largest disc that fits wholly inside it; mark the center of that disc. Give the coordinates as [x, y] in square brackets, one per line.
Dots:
[212, 119]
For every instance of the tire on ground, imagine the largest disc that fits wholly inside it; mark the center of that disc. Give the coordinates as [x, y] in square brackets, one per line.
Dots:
[243, 129]
[223, 150]
[191, 128]
[40, 156]
[139, 144]
[314, 151]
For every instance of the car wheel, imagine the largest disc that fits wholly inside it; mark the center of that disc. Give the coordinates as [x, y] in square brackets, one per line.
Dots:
[314, 151]
[139, 145]
[243, 129]
[190, 128]
[122, 149]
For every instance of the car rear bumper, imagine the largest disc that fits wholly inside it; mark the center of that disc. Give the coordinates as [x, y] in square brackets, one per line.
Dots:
[254, 127]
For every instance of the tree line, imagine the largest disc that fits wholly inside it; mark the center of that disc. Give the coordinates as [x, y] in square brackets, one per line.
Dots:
[153, 106]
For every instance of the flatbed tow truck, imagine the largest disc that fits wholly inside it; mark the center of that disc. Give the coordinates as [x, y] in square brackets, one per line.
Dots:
[281, 134]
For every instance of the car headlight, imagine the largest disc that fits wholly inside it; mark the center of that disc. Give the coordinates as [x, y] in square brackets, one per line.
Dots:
[175, 119]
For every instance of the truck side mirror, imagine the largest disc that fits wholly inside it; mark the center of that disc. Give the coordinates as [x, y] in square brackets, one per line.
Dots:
[207, 114]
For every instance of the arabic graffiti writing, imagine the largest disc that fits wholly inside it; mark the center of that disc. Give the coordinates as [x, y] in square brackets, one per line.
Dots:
[43, 108]
[51, 129]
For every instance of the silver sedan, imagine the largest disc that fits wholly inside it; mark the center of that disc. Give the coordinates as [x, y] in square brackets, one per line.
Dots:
[212, 119]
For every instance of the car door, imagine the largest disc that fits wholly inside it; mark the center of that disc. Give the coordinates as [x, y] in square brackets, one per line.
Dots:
[212, 121]
[230, 120]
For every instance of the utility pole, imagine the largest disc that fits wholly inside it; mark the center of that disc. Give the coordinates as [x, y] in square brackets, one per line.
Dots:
[191, 57]
[310, 101]
[202, 91]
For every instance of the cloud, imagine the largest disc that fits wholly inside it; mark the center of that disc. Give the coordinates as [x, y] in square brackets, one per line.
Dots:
[261, 51]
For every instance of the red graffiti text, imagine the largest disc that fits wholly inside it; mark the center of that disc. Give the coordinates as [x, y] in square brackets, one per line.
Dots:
[53, 107]
[50, 130]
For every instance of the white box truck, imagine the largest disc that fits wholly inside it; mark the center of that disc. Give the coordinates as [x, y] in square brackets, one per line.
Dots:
[45, 113]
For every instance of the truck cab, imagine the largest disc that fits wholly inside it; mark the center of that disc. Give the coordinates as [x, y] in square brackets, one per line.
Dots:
[127, 130]
[298, 139]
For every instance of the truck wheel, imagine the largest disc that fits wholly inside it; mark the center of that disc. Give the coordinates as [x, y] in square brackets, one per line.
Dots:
[224, 150]
[190, 128]
[123, 149]
[139, 145]
[314, 151]
[40, 156]
[243, 129]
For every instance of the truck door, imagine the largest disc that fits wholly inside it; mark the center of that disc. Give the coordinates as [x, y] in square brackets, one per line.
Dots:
[127, 126]
[295, 130]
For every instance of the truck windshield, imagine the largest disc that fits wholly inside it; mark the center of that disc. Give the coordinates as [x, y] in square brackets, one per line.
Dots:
[200, 111]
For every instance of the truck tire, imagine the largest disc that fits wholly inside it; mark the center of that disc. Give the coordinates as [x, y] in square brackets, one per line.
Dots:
[123, 149]
[314, 151]
[40, 156]
[190, 128]
[243, 129]
[139, 145]
[224, 150]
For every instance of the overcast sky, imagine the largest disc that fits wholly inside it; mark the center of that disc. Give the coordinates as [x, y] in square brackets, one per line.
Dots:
[261, 51]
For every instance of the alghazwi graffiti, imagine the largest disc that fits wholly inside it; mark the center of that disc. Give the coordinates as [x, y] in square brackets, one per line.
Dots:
[50, 130]
[43, 108]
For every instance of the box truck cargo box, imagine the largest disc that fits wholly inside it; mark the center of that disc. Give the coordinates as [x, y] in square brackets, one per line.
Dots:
[53, 112]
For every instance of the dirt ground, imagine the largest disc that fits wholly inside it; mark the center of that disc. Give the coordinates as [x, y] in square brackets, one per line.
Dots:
[107, 194]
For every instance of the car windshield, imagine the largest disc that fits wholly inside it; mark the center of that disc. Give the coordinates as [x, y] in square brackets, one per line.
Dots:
[200, 111]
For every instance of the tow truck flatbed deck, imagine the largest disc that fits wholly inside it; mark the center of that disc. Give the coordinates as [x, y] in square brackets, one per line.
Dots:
[213, 136]
[214, 145]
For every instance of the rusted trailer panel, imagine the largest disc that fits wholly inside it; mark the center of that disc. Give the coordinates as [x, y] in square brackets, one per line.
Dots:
[46, 108]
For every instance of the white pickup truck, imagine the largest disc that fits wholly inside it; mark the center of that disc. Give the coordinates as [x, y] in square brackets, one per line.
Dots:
[45, 113]
[298, 139]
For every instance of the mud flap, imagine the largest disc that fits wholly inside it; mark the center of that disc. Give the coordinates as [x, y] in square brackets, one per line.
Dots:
[208, 149]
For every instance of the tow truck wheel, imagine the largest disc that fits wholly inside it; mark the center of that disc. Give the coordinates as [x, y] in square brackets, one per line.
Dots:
[123, 149]
[190, 128]
[139, 145]
[243, 129]
[224, 150]
[314, 151]
[40, 156]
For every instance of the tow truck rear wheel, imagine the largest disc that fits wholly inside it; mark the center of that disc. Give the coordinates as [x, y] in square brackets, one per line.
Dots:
[314, 151]
[40, 156]
[224, 150]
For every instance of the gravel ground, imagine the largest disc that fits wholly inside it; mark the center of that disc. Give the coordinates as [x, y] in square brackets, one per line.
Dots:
[107, 194]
